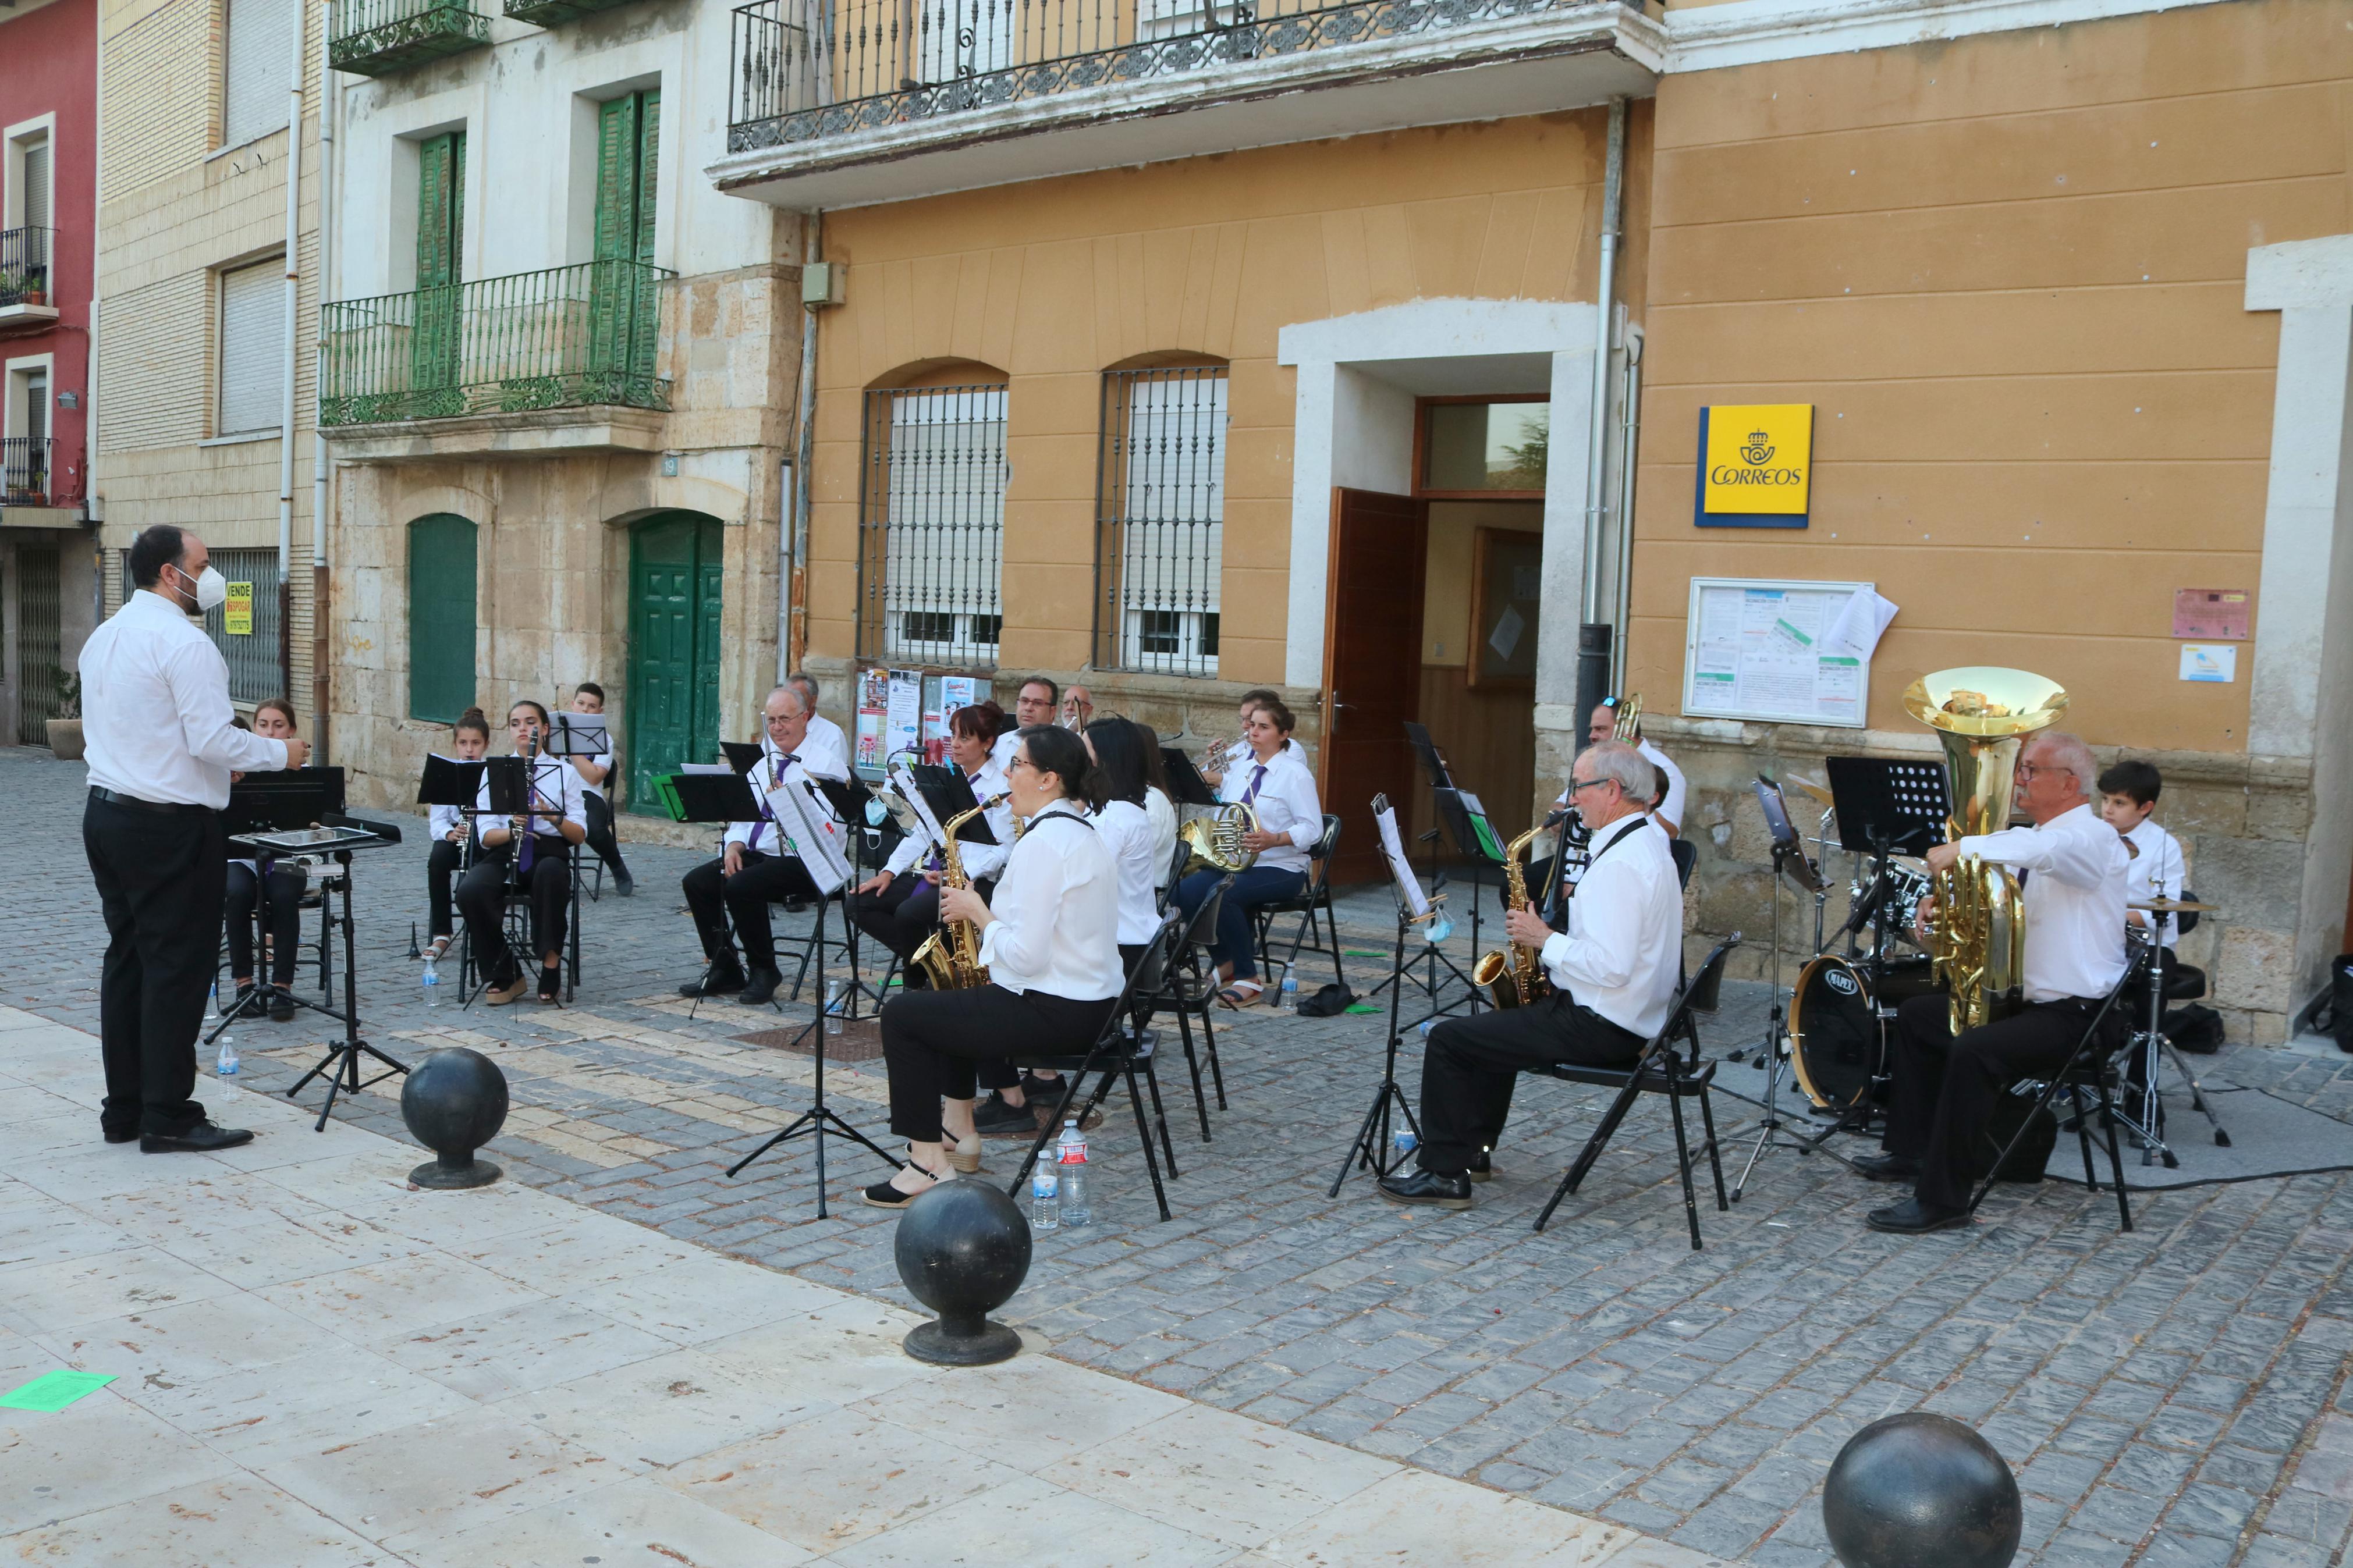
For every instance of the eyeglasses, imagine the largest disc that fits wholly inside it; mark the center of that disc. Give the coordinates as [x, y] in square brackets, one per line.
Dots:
[2029, 770]
[1019, 761]
[1575, 785]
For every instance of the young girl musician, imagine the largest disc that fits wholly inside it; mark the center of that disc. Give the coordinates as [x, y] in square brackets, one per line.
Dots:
[534, 843]
[1050, 939]
[281, 905]
[451, 828]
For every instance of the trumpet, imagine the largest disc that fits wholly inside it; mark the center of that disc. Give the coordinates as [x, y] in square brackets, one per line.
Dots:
[1628, 728]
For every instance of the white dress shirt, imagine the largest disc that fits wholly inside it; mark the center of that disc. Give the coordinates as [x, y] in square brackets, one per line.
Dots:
[1163, 812]
[1670, 809]
[1056, 913]
[981, 862]
[1000, 751]
[1286, 803]
[1622, 954]
[440, 821]
[825, 750]
[1126, 830]
[2074, 898]
[557, 796]
[2155, 873]
[770, 773]
[156, 719]
[602, 760]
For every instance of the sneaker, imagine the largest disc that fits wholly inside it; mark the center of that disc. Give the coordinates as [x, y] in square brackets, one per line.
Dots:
[995, 1118]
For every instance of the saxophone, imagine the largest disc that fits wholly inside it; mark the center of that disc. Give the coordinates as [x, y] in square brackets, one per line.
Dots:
[1525, 981]
[950, 956]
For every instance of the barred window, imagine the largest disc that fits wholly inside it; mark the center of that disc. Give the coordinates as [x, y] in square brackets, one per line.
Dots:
[248, 643]
[1160, 534]
[932, 529]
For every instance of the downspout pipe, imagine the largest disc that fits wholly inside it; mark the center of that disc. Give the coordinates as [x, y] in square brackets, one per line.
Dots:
[296, 59]
[321, 687]
[1593, 633]
[793, 646]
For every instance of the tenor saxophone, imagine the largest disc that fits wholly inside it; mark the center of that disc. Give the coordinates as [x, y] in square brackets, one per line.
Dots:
[1513, 975]
[950, 956]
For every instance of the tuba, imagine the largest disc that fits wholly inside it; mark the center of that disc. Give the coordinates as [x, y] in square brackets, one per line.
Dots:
[950, 956]
[1512, 975]
[1628, 728]
[1216, 839]
[1978, 937]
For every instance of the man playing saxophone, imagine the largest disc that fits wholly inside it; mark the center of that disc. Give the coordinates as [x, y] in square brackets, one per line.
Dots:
[1613, 971]
[1947, 1085]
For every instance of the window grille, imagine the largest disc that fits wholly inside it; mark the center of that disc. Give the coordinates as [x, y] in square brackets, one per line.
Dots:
[251, 656]
[932, 528]
[1160, 532]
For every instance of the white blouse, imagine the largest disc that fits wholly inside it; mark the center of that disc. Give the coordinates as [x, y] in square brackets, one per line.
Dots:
[1163, 812]
[982, 862]
[557, 798]
[1286, 803]
[1055, 925]
[1126, 829]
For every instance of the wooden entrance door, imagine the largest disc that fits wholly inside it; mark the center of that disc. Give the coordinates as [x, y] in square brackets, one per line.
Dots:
[675, 574]
[1372, 667]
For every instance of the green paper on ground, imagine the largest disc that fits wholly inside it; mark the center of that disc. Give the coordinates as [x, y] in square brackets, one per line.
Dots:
[1364, 1007]
[53, 1390]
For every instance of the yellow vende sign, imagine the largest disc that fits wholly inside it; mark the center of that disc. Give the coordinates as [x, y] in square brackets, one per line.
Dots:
[236, 615]
[1757, 463]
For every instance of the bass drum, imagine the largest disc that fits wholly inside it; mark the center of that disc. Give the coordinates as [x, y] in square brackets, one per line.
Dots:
[1834, 1041]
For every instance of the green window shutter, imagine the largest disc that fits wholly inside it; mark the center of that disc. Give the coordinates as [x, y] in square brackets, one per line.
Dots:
[441, 617]
[440, 209]
[648, 150]
[616, 179]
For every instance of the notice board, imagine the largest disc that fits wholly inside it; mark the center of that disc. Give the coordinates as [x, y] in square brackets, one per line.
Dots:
[1759, 648]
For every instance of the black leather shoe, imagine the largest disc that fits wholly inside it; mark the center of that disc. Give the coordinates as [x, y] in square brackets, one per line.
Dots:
[204, 1138]
[1483, 1167]
[1913, 1217]
[995, 1118]
[761, 989]
[1428, 1187]
[623, 883]
[1887, 1168]
[116, 1135]
[722, 981]
[281, 1005]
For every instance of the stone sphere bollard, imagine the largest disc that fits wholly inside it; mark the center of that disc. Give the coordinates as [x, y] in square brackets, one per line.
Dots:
[963, 1249]
[454, 1102]
[1918, 1490]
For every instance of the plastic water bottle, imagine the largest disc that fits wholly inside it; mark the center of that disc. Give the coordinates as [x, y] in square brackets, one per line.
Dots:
[1072, 1159]
[431, 981]
[1402, 1143]
[212, 1004]
[1045, 1196]
[228, 1060]
[1287, 1000]
[833, 990]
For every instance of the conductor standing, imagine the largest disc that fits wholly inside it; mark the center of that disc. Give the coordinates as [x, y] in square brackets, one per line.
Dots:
[161, 741]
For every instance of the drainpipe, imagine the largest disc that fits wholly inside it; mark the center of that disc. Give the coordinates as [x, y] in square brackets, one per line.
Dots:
[1630, 427]
[286, 409]
[1593, 634]
[321, 691]
[805, 438]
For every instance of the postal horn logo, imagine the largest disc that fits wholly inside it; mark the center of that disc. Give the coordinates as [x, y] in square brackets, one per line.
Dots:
[1758, 451]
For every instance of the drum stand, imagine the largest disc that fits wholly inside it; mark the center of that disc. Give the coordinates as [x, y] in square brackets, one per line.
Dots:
[2152, 1048]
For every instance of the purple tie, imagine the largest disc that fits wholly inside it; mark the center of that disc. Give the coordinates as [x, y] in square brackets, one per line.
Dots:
[1258, 777]
[766, 817]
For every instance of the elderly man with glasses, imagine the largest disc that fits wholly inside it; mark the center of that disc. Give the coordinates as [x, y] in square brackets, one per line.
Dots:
[1613, 971]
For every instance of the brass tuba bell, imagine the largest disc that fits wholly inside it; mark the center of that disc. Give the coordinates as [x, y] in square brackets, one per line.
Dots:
[1982, 715]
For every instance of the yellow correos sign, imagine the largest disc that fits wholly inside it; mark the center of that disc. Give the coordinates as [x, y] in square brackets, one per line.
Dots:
[1755, 465]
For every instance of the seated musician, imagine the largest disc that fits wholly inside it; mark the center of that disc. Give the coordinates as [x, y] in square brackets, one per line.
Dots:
[825, 750]
[2128, 793]
[1234, 753]
[1613, 971]
[532, 844]
[1945, 1086]
[1161, 808]
[279, 903]
[1667, 792]
[595, 778]
[899, 906]
[1050, 939]
[754, 868]
[1276, 784]
[449, 829]
[1038, 701]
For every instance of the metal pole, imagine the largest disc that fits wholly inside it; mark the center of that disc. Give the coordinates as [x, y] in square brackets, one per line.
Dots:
[321, 689]
[1593, 634]
[1630, 427]
[286, 408]
[812, 249]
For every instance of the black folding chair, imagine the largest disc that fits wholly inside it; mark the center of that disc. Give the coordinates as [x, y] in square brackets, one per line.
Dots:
[2091, 1078]
[1186, 983]
[1313, 900]
[1664, 1071]
[516, 910]
[1120, 1050]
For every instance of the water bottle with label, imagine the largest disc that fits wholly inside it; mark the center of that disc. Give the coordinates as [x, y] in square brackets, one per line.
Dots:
[227, 1062]
[1402, 1143]
[432, 980]
[1287, 999]
[212, 1005]
[1045, 1195]
[1071, 1158]
[833, 1006]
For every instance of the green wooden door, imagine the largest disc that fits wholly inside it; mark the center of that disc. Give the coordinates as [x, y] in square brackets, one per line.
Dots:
[624, 309]
[675, 575]
[435, 351]
[441, 617]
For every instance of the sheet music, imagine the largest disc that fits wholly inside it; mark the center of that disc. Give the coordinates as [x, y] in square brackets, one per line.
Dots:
[705, 768]
[816, 834]
[904, 780]
[1417, 903]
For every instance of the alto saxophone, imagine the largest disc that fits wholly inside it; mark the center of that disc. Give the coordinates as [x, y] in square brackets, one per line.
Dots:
[1512, 974]
[950, 956]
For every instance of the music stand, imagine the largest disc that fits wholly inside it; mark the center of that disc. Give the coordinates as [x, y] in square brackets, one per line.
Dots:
[741, 756]
[1372, 1147]
[578, 735]
[1433, 761]
[1886, 806]
[1185, 784]
[290, 800]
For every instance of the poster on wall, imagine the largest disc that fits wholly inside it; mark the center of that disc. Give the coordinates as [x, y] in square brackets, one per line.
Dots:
[903, 721]
[1755, 466]
[237, 610]
[874, 704]
[1776, 650]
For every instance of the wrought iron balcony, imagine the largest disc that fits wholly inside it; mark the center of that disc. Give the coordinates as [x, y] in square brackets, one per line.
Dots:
[807, 71]
[377, 37]
[570, 337]
[25, 262]
[26, 472]
[554, 12]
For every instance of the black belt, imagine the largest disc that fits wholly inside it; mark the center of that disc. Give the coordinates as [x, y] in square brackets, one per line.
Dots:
[162, 808]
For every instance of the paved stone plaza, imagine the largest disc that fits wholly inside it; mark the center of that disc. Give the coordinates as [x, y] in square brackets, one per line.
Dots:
[2174, 1395]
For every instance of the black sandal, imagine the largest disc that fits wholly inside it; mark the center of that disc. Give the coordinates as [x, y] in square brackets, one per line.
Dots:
[883, 1195]
[551, 984]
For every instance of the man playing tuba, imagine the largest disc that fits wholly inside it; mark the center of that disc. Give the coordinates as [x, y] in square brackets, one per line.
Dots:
[1947, 1085]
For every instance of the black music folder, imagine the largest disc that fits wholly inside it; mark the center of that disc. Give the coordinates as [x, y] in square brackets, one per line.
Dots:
[1185, 784]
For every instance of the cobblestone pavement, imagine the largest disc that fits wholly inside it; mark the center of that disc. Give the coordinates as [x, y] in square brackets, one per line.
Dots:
[2176, 1396]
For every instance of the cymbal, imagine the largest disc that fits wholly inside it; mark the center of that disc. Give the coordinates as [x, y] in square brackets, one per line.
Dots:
[2175, 907]
[1819, 792]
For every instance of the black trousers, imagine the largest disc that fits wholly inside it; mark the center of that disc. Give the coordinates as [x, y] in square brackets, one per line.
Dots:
[600, 833]
[900, 916]
[282, 912]
[1472, 1064]
[482, 899]
[932, 1042]
[712, 896]
[441, 863]
[161, 879]
[1947, 1085]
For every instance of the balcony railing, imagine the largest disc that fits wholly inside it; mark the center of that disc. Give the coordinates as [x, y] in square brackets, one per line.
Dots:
[552, 13]
[24, 256]
[376, 38]
[570, 337]
[804, 69]
[25, 470]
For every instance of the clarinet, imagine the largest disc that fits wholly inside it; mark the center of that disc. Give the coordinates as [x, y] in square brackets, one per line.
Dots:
[530, 794]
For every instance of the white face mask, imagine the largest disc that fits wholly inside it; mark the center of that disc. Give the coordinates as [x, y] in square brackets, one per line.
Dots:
[211, 589]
